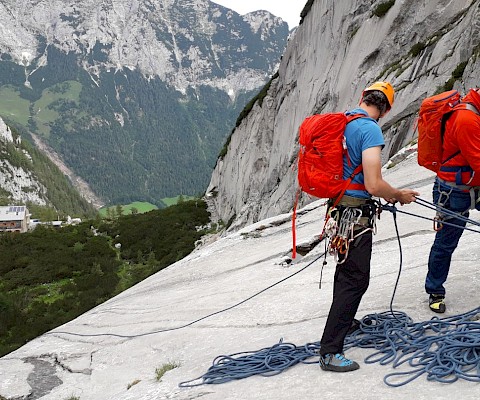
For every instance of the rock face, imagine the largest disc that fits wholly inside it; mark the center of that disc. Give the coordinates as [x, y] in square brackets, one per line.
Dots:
[16, 181]
[340, 48]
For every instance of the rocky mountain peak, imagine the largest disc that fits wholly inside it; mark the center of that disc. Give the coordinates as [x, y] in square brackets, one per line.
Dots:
[185, 43]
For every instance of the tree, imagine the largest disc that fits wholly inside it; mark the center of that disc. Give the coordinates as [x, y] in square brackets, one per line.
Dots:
[119, 210]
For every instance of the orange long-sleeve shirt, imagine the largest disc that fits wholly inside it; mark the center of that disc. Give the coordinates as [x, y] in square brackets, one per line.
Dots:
[462, 133]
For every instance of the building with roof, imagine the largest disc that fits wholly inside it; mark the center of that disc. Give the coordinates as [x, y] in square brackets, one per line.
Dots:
[14, 219]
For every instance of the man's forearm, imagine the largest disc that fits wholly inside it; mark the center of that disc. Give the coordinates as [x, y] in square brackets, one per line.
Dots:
[383, 189]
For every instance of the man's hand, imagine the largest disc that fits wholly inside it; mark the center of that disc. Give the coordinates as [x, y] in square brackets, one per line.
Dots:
[406, 196]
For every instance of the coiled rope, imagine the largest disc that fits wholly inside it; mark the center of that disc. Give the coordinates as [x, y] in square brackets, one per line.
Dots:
[445, 349]
[265, 362]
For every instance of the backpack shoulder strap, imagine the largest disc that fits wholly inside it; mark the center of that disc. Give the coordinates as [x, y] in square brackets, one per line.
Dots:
[353, 117]
[471, 107]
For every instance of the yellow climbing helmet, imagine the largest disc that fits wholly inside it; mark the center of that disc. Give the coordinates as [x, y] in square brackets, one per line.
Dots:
[386, 88]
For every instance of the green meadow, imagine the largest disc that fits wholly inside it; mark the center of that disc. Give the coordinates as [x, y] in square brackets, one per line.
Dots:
[170, 201]
[140, 207]
[45, 111]
[143, 207]
[12, 106]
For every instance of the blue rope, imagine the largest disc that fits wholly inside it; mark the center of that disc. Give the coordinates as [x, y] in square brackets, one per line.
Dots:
[446, 211]
[265, 362]
[392, 208]
[445, 349]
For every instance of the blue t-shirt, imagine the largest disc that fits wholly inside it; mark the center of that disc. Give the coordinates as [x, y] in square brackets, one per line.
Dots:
[360, 134]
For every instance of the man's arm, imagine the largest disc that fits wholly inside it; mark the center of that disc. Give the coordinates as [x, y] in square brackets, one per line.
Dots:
[374, 183]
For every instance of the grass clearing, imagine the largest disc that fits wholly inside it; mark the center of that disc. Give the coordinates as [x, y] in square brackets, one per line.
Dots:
[52, 291]
[12, 106]
[140, 207]
[170, 201]
[44, 113]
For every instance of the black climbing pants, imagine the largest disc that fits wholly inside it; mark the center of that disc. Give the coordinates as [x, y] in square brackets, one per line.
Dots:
[350, 283]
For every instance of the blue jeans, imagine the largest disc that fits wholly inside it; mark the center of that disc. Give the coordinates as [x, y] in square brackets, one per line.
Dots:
[446, 239]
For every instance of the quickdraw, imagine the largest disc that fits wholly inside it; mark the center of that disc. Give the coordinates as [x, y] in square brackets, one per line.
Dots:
[341, 232]
[442, 200]
[342, 228]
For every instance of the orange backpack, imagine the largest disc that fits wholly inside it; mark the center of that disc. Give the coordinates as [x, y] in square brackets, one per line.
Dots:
[320, 159]
[433, 114]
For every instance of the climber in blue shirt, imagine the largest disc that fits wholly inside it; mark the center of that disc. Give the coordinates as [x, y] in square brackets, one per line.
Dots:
[364, 142]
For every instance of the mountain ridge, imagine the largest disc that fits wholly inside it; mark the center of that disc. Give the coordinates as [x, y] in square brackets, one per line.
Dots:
[141, 34]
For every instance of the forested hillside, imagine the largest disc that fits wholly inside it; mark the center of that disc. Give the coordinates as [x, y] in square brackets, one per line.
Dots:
[29, 177]
[50, 276]
[120, 157]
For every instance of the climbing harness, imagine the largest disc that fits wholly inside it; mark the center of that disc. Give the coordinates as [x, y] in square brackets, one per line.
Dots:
[343, 224]
[444, 197]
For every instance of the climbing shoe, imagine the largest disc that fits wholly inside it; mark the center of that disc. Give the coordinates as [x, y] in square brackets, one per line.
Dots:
[337, 363]
[436, 303]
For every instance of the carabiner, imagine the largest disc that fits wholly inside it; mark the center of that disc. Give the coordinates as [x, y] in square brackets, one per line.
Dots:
[437, 225]
[343, 247]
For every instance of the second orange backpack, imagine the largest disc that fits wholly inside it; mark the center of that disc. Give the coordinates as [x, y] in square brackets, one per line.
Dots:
[433, 114]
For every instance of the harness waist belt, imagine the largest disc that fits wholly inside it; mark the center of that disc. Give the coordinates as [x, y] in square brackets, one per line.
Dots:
[350, 201]
[457, 186]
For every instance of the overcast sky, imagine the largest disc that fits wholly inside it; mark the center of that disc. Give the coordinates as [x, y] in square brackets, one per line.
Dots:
[288, 10]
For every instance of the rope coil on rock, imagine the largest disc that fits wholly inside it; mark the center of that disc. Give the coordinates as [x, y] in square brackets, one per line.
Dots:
[265, 362]
[446, 349]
